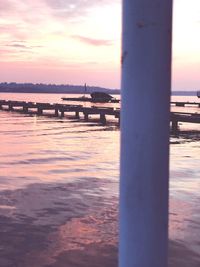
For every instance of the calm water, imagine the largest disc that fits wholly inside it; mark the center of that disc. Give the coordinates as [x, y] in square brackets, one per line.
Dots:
[59, 190]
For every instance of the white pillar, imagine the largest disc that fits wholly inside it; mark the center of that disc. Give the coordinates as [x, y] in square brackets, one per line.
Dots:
[146, 81]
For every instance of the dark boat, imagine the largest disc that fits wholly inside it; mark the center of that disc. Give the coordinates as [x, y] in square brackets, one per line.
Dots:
[96, 97]
[198, 94]
[100, 97]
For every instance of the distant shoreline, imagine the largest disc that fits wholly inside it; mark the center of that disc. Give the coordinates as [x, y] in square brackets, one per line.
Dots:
[53, 88]
[67, 89]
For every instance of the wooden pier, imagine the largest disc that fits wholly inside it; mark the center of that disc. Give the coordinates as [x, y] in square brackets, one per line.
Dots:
[59, 110]
[184, 104]
[177, 117]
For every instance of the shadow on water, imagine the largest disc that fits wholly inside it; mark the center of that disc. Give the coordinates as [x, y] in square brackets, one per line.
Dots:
[181, 256]
[69, 118]
[92, 125]
[186, 136]
[67, 225]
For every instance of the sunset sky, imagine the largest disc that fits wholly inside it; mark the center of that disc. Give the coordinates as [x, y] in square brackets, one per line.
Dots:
[78, 41]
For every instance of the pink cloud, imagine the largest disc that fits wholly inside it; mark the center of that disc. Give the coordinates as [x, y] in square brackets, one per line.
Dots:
[6, 6]
[91, 41]
[18, 46]
[27, 25]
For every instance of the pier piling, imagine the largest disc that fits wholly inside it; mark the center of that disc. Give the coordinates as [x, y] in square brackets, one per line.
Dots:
[25, 109]
[86, 116]
[62, 113]
[174, 125]
[10, 107]
[103, 118]
[40, 111]
[77, 115]
[56, 112]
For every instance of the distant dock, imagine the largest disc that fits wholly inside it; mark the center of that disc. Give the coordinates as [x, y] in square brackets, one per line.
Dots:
[80, 111]
[184, 104]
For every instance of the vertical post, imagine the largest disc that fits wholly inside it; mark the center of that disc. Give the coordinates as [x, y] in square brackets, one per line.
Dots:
[56, 112]
[103, 118]
[40, 111]
[25, 109]
[77, 115]
[10, 106]
[86, 116]
[119, 120]
[62, 114]
[174, 125]
[145, 119]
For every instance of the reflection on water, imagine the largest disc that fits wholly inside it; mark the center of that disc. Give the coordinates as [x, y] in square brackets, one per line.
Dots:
[185, 192]
[59, 224]
[38, 151]
[59, 193]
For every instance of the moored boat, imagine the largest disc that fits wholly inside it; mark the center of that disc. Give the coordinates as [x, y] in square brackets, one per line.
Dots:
[95, 97]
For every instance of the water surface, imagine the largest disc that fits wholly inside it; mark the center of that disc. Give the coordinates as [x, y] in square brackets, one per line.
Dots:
[59, 191]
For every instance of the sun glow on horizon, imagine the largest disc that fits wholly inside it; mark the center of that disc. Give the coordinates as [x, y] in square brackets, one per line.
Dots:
[186, 44]
[79, 41]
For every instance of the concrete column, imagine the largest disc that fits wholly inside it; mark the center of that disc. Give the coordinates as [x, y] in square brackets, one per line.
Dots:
[145, 119]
